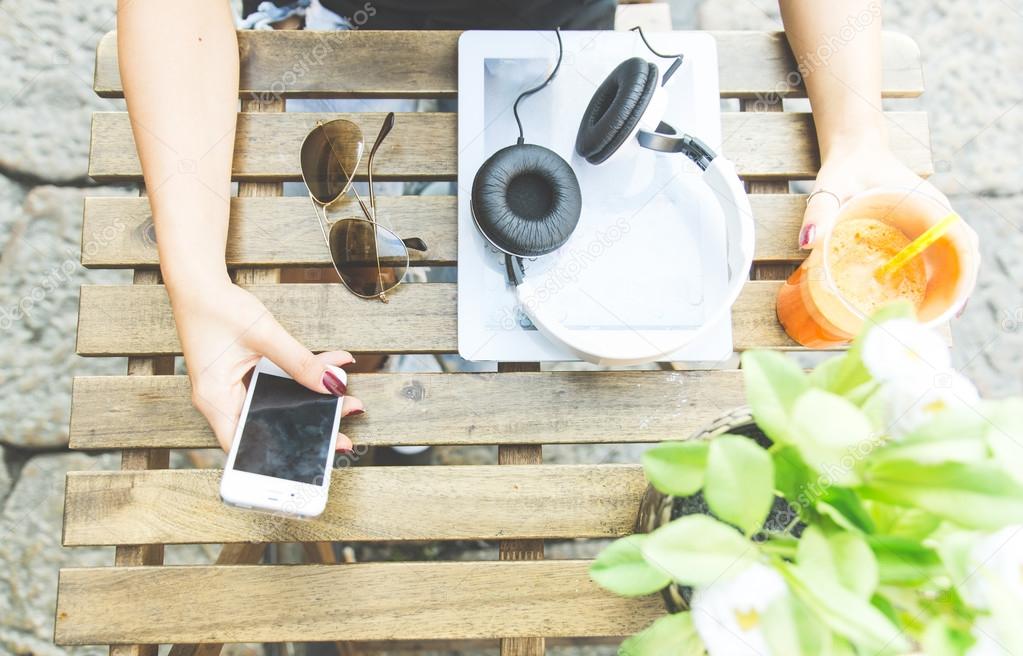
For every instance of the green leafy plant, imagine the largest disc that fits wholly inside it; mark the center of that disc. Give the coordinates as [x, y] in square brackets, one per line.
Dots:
[900, 499]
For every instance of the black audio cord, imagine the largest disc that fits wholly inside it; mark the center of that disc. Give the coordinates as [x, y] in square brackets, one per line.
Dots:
[526, 94]
[671, 69]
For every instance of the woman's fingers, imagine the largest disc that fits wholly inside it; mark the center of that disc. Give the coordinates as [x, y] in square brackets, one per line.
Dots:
[352, 406]
[310, 370]
[817, 219]
[344, 443]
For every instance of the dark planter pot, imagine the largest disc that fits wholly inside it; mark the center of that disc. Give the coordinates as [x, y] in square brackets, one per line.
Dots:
[657, 509]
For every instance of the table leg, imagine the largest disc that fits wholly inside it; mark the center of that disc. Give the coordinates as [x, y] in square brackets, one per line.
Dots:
[520, 454]
[137, 459]
[767, 270]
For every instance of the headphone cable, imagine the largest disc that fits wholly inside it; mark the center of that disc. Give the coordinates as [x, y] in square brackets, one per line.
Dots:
[671, 69]
[526, 94]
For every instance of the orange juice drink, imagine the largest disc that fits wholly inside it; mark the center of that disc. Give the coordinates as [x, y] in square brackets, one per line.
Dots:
[826, 301]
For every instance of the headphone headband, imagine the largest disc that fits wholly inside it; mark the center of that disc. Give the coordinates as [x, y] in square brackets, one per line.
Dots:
[667, 140]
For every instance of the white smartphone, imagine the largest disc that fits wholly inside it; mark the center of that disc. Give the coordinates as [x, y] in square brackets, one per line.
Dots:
[282, 454]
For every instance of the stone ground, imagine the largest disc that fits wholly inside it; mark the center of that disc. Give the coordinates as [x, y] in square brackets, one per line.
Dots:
[972, 52]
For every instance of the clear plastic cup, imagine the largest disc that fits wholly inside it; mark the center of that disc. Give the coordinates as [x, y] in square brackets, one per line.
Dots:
[817, 314]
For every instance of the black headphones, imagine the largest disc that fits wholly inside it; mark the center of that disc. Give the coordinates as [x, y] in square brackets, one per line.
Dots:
[525, 198]
[526, 202]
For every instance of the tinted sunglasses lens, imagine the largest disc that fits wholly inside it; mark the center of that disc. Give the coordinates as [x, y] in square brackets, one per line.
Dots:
[330, 156]
[356, 246]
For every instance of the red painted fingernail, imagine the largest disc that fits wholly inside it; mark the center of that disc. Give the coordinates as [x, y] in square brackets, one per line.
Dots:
[333, 383]
[807, 234]
[357, 411]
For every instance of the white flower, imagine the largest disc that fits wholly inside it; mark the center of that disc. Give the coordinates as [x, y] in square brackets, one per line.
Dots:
[995, 584]
[912, 401]
[903, 347]
[728, 615]
[985, 644]
[996, 558]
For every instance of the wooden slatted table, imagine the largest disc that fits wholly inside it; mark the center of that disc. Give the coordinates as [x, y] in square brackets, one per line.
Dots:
[520, 599]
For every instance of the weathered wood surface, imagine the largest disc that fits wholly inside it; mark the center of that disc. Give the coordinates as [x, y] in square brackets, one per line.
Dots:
[117, 231]
[362, 601]
[408, 409]
[303, 64]
[420, 318]
[366, 504]
[423, 145]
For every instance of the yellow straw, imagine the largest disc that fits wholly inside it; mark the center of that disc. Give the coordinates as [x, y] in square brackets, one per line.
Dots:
[916, 246]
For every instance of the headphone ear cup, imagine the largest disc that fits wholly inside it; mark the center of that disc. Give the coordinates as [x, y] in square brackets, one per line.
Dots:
[526, 200]
[615, 109]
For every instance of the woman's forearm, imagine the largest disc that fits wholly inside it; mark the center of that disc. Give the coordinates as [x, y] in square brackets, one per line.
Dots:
[837, 46]
[179, 67]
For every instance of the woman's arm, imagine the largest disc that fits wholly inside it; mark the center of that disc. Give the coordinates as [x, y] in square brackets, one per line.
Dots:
[837, 45]
[179, 66]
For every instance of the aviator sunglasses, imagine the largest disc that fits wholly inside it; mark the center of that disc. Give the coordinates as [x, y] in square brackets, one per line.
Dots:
[370, 259]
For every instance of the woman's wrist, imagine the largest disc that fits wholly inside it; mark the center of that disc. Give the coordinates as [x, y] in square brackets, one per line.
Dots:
[187, 289]
[853, 142]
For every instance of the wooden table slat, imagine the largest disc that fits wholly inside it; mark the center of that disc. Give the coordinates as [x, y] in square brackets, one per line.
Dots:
[363, 601]
[366, 504]
[416, 408]
[117, 231]
[422, 145]
[119, 320]
[301, 65]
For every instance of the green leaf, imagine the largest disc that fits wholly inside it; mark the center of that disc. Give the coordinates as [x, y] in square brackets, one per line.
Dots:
[740, 482]
[773, 383]
[621, 569]
[845, 613]
[790, 628]
[810, 492]
[901, 522]
[676, 468]
[855, 562]
[832, 435]
[850, 373]
[843, 557]
[793, 478]
[954, 423]
[939, 639]
[813, 553]
[846, 503]
[967, 449]
[901, 561]
[827, 375]
[698, 550]
[842, 647]
[968, 494]
[953, 435]
[673, 634]
[882, 603]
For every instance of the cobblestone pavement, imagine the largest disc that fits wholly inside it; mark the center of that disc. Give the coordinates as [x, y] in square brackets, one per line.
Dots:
[971, 56]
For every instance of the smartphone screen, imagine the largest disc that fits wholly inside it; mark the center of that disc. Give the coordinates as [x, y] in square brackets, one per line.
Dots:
[287, 432]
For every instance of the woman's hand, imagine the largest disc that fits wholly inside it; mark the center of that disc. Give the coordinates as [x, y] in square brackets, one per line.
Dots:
[846, 173]
[224, 330]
